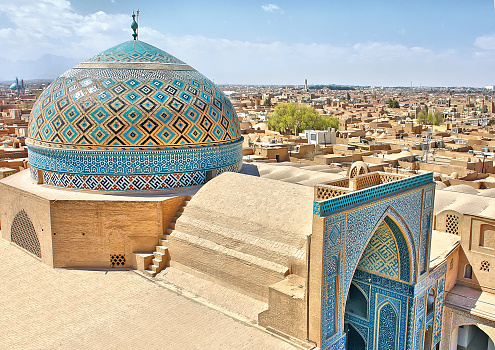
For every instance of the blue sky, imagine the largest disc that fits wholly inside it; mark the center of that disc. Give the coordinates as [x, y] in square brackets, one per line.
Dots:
[358, 42]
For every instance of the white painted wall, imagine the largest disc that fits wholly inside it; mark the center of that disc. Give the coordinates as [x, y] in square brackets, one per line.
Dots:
[465, 335]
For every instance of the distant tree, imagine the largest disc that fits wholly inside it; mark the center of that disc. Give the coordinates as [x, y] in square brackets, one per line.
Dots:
[435, 118]
[484, 109]
[393, 103]
[422, 115]
[267, 102]
[292, 118]
[348, 96]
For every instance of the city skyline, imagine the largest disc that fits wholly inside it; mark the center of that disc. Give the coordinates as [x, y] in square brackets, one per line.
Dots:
[383, 43]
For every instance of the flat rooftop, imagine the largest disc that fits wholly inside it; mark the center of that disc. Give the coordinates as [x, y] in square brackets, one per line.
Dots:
[45, 308]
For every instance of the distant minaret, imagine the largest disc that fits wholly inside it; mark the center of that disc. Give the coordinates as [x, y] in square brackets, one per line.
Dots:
[306, 84]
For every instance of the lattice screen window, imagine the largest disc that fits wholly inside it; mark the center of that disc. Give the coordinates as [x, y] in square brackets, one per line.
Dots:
[23, 234]
[485, 266]
[353, 172]
[452, 224]
[117, 259]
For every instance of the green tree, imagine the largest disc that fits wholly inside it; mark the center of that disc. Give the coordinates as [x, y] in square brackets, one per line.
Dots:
[393, 103]
[267, 102]
[348, 96]
[422, 115]
[292, 118]
[435, 118]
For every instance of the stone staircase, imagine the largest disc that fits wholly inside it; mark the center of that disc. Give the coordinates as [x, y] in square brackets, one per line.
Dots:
[161, 258]
[242, 259]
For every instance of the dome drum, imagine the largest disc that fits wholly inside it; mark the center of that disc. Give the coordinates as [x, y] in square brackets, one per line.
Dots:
[132, 170]
[132, 111]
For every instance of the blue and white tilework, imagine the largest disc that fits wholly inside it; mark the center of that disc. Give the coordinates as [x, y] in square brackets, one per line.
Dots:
[402, 209]
[132, 117]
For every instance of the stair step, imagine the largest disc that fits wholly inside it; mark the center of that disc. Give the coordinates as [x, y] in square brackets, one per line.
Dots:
[251, 274]
[162, 248]
[168, 231]
[150, 273]
[241, 241]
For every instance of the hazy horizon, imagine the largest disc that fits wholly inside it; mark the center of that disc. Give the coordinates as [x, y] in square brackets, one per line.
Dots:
[379, 43]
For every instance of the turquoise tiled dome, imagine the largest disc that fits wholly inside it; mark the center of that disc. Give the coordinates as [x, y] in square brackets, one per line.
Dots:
[133, 95]
[125, 103]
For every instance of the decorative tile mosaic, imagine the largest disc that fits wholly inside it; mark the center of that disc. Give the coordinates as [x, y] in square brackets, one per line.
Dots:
[425, 242]
[128, 182]
[387, 328]
[129, 97]
[145, 162]
[429, 196]
[382, 291]
[363, 222]
[437, 327]
[337, 345]
[331, 283]
[381, 254]
[134, 51]
[349, 227]
[362, 196]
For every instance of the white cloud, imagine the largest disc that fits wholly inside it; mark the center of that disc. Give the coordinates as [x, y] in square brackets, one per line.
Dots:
[486, 42]
[53, 27]
[40, 27]
[271, 8]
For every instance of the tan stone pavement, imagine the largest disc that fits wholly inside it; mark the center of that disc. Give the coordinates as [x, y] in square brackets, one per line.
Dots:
[45, 308]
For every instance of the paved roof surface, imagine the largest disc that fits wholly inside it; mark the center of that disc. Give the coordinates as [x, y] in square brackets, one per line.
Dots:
[45, 308]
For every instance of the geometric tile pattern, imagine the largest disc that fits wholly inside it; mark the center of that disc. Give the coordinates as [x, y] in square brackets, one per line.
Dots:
[425, 241]
[135, 51]
[145, 162]
[332, 232]
[360, 197]
[132, 96]
[127, 182]
[350, 223]
[381, 254]
[382, 291]
[439, 311]
[362, 223]
[387, 326]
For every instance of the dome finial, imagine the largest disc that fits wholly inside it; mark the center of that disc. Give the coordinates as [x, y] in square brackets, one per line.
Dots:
[134, 25]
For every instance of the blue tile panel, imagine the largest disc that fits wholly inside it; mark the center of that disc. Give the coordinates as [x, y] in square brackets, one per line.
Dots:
[362, 196]
[381, 253]
[437, 327]
[390, 294]
[134, 51]
[350, 221]
[127, 182]
[387, 328]
[145, 162]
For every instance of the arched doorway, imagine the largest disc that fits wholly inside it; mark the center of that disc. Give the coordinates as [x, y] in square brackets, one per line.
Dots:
[354, 339]
[428, 338]
[357, 304]
[471, 337]
[378, 294]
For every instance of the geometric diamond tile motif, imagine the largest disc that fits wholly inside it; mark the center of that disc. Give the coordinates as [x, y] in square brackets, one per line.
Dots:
[131, 97]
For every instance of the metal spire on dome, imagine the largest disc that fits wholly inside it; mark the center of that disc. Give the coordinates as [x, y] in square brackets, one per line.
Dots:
[134, 25]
